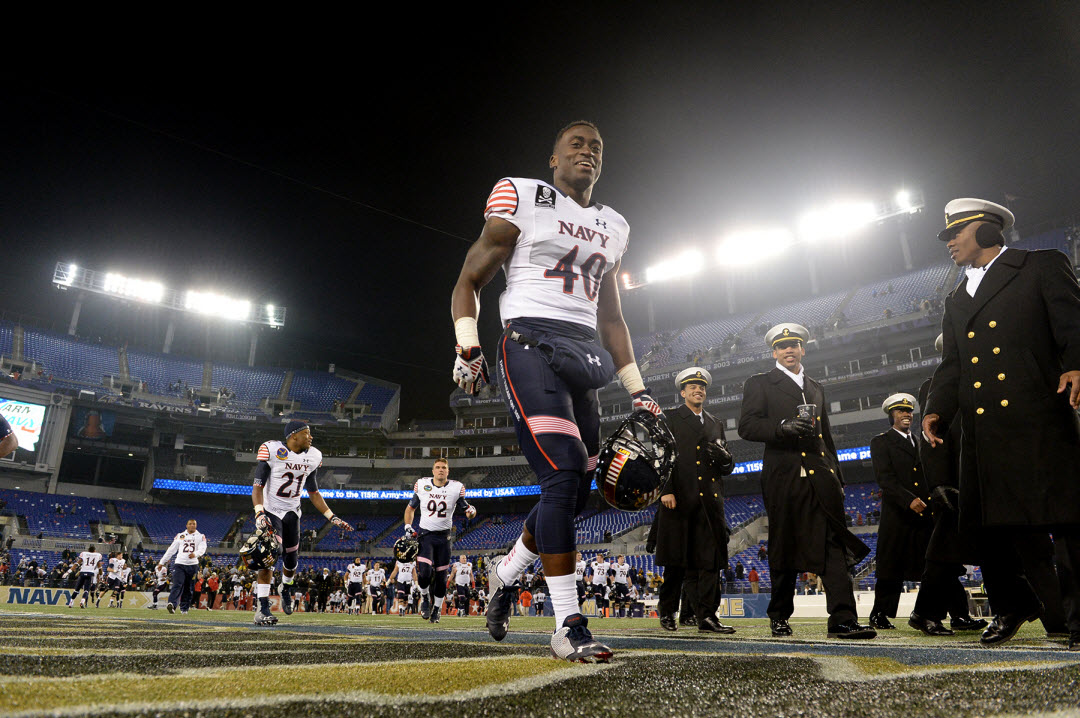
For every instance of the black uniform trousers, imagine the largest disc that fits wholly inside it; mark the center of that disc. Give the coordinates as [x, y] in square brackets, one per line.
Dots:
[1012, 570]
[941, 592]
[839, 595]
[887, 596]
[701, 584]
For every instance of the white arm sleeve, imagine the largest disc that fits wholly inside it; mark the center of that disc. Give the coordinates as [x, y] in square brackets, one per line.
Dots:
[200, 548]
[171, 552]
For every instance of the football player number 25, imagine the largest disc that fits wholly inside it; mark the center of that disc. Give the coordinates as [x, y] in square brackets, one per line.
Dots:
[286, 489]
[591, 273]
[436, 508]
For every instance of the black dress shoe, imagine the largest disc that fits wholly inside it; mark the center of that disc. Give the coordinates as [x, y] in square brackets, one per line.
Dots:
[1005, 626]
[711, 625]
[688, 619]
[780, 627]
[851, 629]
[880, 621]
[668, 623]
[967, 623]
[1074, 641]
[928, 626]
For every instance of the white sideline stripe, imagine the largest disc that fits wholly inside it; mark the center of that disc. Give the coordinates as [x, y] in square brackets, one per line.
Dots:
[841, 669]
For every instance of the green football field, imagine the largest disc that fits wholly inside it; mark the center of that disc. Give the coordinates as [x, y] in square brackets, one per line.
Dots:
[59, 661]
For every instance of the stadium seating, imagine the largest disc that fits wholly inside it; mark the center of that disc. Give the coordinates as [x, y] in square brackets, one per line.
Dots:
[249, 385]
[591, 528]
[378, 397]
[68, 358]
[162, 523]
[1054, 239]
[908, 291]
[42, 516]
[161, 370]
[7, 338]
[317, 391]
[808, 312]
[340, 540]
[489, 535]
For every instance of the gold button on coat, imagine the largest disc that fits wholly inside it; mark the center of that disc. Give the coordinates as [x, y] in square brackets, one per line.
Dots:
[974, 360]
[980, 410]
[971, 335]
[993, 324]
[978, 385]
[811, 472]
[699, 463]
[804, 453]
[1001, 377]
[1004, 402]
[997, 350]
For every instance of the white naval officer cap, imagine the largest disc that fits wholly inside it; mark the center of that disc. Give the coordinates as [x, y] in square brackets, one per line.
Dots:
[960, 211]
[786, 331]
[693, 375]
[898, 401]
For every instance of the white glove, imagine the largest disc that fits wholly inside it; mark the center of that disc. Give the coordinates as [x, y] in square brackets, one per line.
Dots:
[470, 369]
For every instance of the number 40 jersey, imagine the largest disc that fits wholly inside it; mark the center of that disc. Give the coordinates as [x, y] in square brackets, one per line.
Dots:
[436, 504]
[562, 253]
[290, 475]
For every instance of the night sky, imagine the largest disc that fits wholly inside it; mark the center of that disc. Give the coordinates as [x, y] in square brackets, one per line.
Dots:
[343, 174]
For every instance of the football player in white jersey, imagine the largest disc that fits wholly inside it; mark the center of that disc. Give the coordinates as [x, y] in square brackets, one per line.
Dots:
[125, 579]
[355, 585]
[438, 497]
[161, 580]
[402, 580]
[564, 338]
[285, 470]
[376, 577]
[462, 576]
[88, 567]
[622, 586]
[601, 568]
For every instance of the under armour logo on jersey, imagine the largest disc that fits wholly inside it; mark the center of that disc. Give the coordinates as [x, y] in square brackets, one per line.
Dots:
[545, 197]
[601, 223]
[593, 359]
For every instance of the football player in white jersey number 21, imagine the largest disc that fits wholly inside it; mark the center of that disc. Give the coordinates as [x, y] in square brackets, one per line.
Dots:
[564, 338]
[284, 471]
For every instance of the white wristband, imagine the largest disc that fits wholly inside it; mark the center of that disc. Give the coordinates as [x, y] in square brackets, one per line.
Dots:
[465, 330]
[630, 376]
[258, 509]
[328, 514]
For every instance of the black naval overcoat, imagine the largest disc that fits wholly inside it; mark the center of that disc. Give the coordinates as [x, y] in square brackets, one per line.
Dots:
[799, 507]
[941, 465]
[903, 535]
[696, 484]
[1003, 352]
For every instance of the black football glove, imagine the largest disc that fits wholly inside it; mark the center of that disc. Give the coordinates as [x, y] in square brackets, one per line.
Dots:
[795, 428]
[719, 457]
[947, 497]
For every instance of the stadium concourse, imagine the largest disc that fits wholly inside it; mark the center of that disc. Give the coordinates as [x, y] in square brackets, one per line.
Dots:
[121, 445]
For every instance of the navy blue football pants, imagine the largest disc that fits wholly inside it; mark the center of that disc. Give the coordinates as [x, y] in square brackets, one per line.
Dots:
[183, 583]
[558, 430]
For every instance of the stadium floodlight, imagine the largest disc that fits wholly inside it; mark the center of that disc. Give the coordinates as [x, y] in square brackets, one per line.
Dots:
[687, 264]
[217, 305]
[753, 245]
[143, 290]
[837, 220]
[119, 286]
[903, 200]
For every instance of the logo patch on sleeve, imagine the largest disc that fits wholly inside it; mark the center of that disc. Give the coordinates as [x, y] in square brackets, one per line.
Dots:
[545, 196]
[282, 453]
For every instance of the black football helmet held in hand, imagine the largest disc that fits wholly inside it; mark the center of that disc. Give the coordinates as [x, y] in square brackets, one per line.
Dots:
[261, 550]
[406, 549]
[635, 462]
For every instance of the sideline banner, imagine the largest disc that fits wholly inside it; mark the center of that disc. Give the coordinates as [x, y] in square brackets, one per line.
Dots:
[19, 596]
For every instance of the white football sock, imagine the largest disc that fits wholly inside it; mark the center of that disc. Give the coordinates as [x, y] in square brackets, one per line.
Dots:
[515, 562]
[439, 601]
[563, 593]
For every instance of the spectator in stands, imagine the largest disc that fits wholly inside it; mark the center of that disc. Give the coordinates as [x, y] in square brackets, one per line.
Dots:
[803, 486]
[740, 570]
[754, 580]
[762, 553]
[525, 599]
[691, 531]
